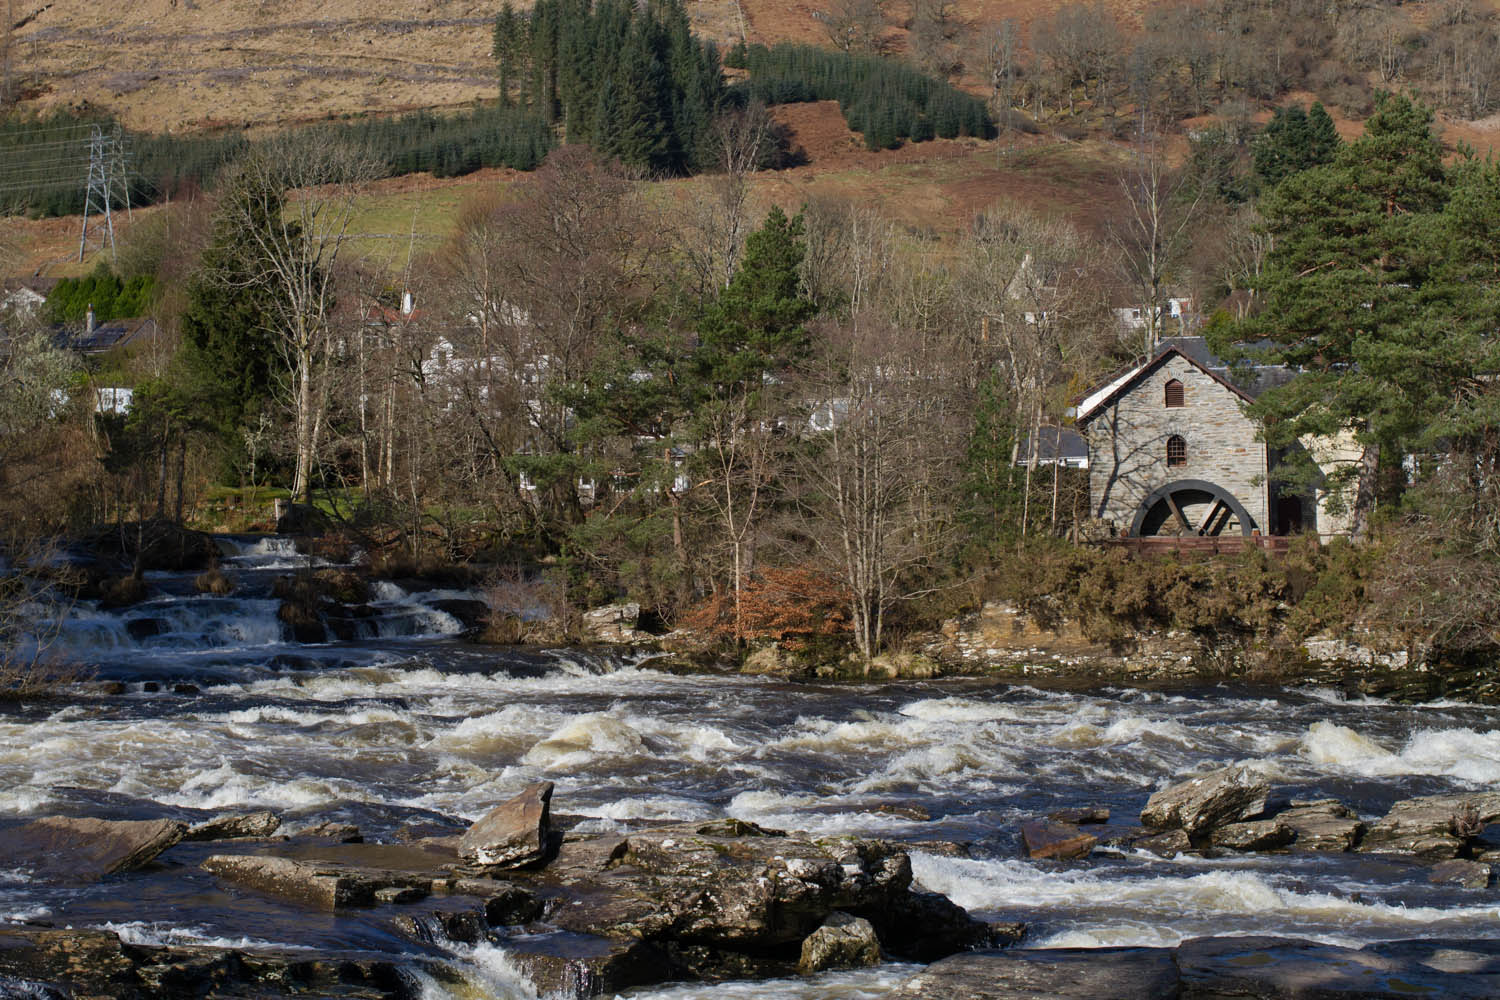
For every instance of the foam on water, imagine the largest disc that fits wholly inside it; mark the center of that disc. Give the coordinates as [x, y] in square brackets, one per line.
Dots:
[486, 972]
[1182, 906]
[157, 934]
[1462, 753]
[864, 984]
[583, 737]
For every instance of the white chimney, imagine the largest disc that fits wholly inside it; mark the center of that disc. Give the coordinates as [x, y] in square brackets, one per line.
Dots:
[407, 305]
[88, 320]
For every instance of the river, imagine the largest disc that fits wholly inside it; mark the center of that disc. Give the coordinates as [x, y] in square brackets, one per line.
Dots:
[411, 724]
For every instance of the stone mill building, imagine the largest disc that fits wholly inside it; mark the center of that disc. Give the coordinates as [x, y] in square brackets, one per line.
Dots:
[1172, 453]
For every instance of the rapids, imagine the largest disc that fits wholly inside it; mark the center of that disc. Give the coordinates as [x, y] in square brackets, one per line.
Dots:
[410, 724]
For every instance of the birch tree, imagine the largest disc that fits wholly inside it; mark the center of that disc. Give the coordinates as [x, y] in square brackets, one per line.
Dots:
[296, 199]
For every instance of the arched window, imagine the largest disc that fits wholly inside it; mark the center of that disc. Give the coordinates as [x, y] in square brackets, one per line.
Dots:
[1176, 450]
[1174, 393]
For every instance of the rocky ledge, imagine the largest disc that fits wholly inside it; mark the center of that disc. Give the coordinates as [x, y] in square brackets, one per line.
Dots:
[1234, 809]
[581, 915]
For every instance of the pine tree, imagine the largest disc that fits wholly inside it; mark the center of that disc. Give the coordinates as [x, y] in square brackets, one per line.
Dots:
[1346, 292]
[756, 327]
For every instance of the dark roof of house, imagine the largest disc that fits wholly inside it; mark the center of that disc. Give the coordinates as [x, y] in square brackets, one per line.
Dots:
[107, 336]
[1247, 381]
[1056, 444]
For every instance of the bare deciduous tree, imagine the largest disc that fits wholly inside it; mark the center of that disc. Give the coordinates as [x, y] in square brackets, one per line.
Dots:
[1154, 232]
[853, 25]
[715, 227]
[878, 461]
[296, 198]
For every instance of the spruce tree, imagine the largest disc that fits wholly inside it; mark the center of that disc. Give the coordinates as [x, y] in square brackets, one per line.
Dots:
[1293, 141]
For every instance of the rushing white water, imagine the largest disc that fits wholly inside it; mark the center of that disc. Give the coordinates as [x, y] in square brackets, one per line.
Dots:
[221, 711]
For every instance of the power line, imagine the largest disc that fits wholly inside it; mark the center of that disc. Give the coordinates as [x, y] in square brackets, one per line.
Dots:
[106, 170]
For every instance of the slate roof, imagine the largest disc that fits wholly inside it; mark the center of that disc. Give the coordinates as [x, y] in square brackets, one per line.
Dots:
[1247, 381]
[1056, 444]
[107, 336]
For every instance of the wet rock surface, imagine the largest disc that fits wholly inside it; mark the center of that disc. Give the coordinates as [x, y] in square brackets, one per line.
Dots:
[1047, 838]
[604, 913]
[1214, 799]
[1219, 969]
[82, 849]
[1323, 825]
[1256, 835]
[515, 833]
[1434, 827]
[843, 942]
[235, 826]
[1093, 974]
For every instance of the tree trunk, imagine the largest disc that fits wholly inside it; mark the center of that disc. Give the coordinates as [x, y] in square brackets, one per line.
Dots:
[1364, 493]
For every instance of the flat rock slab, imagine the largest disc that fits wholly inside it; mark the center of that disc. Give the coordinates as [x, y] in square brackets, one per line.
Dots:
[1078, 974]
[1255, 835]
[1273, 969]
[1197, 806]
[1461, 872]
[352, 875]
[1327, 825]
[1046, 838]
[83, 849]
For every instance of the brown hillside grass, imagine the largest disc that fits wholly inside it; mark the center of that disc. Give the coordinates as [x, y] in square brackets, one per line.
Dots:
[191, 64]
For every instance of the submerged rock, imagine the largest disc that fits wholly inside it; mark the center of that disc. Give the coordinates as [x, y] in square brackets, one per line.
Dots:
[84, 849]
[1461, 872]
[1214, 799]
[1084, 816]
[513, 834]
[1045, 838]
[843, 942]
[1052, 974]
[1270, 967]
[1219, 968]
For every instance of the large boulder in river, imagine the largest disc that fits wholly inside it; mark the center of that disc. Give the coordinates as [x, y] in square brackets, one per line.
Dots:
[750, 895]
[84, 849]
[515, 833]
[1214, 799]
[1434, 826]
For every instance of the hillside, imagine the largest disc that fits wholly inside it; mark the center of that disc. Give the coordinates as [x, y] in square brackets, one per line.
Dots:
[184, 64]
